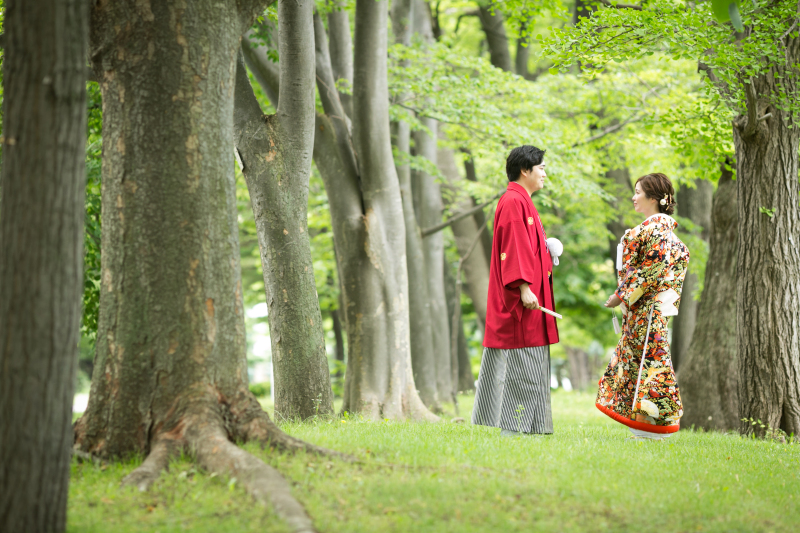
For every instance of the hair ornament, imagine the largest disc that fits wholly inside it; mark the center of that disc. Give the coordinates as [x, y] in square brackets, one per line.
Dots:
[664, 200]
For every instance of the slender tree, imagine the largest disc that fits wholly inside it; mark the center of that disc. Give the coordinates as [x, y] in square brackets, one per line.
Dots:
[423, 357]
[41, 264]
[366, 213]
[428, 208]
[170, 372]
[276, 153]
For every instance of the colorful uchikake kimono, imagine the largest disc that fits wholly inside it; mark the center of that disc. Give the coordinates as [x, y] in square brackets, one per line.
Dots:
[513, 390]
[651, 264]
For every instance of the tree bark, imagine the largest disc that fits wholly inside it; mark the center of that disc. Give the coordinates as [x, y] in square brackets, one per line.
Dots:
[341, 52]
[170, 368]
[276, 152]
[768, 299]
[379, 377]
[493, 24]
[694, 204]
[41, 264]
[428, 208]
[338, 335]
[708, 376]
[429, 214]
[423, 359]
[476, 267]
[463, 379]
[365, 214]
[523, 52]
[579, 371]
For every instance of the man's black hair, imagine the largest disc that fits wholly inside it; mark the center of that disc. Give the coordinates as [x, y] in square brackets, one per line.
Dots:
[523, 158]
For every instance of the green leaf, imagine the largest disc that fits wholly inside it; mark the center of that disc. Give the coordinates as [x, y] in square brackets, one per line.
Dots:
[736, 19]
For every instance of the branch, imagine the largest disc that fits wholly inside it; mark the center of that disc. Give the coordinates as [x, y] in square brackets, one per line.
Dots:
[721, 86]
[455, 218]
[265, 71]
[749, 128]
[621, 6]
[609, 130]
[331, 103]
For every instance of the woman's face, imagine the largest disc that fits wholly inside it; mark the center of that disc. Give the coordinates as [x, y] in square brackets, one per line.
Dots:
[642, 204]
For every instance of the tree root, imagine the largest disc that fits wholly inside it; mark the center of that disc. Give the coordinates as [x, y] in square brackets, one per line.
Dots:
[214, 452]
[147, 473]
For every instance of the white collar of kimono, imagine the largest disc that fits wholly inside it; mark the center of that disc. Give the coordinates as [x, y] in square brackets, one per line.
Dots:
[662, 215]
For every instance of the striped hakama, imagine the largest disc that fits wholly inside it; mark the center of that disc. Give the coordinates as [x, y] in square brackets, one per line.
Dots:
[513, 391]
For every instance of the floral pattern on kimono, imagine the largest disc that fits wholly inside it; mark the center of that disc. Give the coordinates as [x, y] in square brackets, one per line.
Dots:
[653, 268]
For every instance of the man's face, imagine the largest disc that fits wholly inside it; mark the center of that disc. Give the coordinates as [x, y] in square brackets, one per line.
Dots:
[533, 179]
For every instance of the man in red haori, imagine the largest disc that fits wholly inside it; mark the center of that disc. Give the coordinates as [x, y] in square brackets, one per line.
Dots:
[513, 391]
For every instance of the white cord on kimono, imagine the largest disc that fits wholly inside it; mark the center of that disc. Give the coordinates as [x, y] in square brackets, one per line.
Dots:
[641, 365]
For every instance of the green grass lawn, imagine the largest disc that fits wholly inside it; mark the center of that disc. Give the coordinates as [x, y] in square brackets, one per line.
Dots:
[457, 477]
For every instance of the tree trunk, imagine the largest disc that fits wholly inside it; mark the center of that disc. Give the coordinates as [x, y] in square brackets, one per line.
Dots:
[621, 188]
[476, 267]
[480, 216]
[768, 299]
[366, 214]
[579, 372]
[379, 376]
[523, 52]
[429, 214]
[463, 378]
[423, 359]
[41, 264]
[338, 335]
[276, 152]
[341, 52]
[708, 377]
[170, 367]
[694, 204]
[493, 24]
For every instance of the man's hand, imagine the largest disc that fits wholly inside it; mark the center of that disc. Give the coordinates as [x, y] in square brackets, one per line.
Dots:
[613, 301]
[529, 300]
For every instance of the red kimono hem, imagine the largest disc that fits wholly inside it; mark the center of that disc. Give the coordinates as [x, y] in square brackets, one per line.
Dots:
[642, 426]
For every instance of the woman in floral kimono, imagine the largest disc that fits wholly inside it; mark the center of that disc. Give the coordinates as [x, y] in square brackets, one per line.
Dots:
[651, 265]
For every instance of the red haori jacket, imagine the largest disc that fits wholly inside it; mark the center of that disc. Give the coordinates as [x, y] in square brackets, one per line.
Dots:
[519, 255]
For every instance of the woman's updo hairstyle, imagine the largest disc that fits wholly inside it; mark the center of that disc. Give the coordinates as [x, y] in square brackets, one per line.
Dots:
[658, 187]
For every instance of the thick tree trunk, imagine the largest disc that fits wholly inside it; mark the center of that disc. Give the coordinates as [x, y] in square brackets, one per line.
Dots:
[170, 369]
[276, 152]
[476, 267]
[708, 376]
[694, 204]
[768, 299]
[423, 358]
[493, 24]
[41, 263]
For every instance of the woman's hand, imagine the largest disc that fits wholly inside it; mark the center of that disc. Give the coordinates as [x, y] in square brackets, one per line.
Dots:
[613, 301]
[529, 300]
